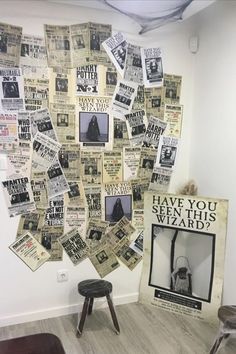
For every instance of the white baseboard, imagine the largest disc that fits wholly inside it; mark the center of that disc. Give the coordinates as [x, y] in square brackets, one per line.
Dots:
[63, 310]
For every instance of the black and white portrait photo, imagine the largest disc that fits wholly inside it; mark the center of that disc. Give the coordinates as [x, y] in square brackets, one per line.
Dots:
[94, 41]
[102, 257]
[61, 84]
[118, 206]
[111, 78]
[78, 41]
[119, 54]
[148, 164]
[93, 127]
[24, 52]
[154, 70]
[63, 159]
[62, 119]
[95, 235]
[10, 89]
[20, 198]
[74, 190]
[167, 156]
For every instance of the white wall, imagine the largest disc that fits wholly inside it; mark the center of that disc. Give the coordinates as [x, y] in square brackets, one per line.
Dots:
[213, 143]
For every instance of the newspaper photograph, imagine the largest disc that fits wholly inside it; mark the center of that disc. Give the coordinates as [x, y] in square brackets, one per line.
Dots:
[160, 179]
[136, 126]
[76, 217]
[138, 219]
[36, 93]
[91, 167]
[112, 168]
[56, 181]
[10, 39]
[87, 77]
[19, 163]
[127, 255]
[123, 98]
[166, 155]
[116, 201]
[62, 85]
[55, 212]
[139, 186]
[57, 41]
[39, 188]
[95, 123]
[120, 137]
[137, 243]
[109, 78]
[63, 117]
[69, 158]
[146, 162]
[18, 196]
[95, 233]
[131, 157]
[116, 48]
[41, 121]
[173, 117]
[139, 101]
[33, 57]
[155, 102]
[79, 44]
[172, 88]
[104, 260]
[24, 129]
[49, 240]
[120, 231]
[30, 251]
[11, 90]
[8, 132]
[154, 130]
[93, 198]
[75, 196]
[184, 236]
[152, 67]
[31, 222]
[75, 247]
[133, 70]
[45, 151]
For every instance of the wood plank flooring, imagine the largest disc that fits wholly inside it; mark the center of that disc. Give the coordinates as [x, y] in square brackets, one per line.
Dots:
[144, 330]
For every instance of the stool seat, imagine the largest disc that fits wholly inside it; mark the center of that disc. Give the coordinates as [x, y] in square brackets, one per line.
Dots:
[94, 288]
[227, 315]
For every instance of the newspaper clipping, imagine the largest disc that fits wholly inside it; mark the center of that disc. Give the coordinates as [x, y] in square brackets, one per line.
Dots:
[36, 93]
[32, 222]
[24, 129]
[30, 251]
[136, 125]
[123, 98]
[62, 83]
[87, 80]
[154, 130]
[160, 179]
[172, 87]
[104, 260]
[116, 48]
[127, 255]
[10, 39]
[49, 240]
[173, 118]
[56, 181]
[167, 152]
[45, 151]
[91, 167]
[138, 219]
[133, 65]
[63, 117]
[109, 78]
[192, 230]
[152, 67]
[139, 101]
[146, 162]
[39, 188]
[131, 157]
[41, 122]
[122, 230]
[55, 212]
[154, 102]
[11, 90]
[75, 247]
[120, 137]
[137, 243]
[69, 158]
[18, 195]
[112, 169]
[139, 186]
[76, 217]
[93, 198]
[75, 196]
[19, 163]
[8, 132]
[95, 233]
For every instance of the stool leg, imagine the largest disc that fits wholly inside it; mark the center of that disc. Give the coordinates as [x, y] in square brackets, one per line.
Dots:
[90, 306]
[83, 316]
[113, 314]
[217, 343]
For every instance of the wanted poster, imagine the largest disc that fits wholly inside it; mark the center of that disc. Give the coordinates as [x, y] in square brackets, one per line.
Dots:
[33, 57]
[87, 80]
[160, 179]
[139, 101]
[192, 231]
[137, 243]
[136, 126]
[152, 67]
[127, 255]
[116, 48]
[75, 247]
[10, 39]
[30, 251]
[11, 90]
[36, 93]
[69, 158]
[93, 198]
[120, 232]
[76, 217]
[117, 201]
[123, 98]
[133, 70]
[109, 78]
[146, 162]
[39, 188]
[24, 129]
[8, 131]
[41, 122]
[31, 222]
[95, 123]
[95, 234]
[155, 129]
[155, 102]
[112, 168]
[56, 181]
[18, 196]
[167, 152]
[19, 163]
[75, 196]
[138, 219]
[131, 157]
[104, 260]
[91, 167]
[57, 41]
[120, 135]
[45, 151]
[173, 117]
[55, 212]
[49, 240]
[62, 85]
[139, 186]
[172, 88]
[63, 117]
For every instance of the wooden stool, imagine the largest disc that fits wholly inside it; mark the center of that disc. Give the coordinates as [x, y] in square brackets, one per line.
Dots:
[95, 288]
[227, 317]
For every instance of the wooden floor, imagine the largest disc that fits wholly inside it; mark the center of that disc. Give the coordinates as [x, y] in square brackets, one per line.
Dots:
[144, 330]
